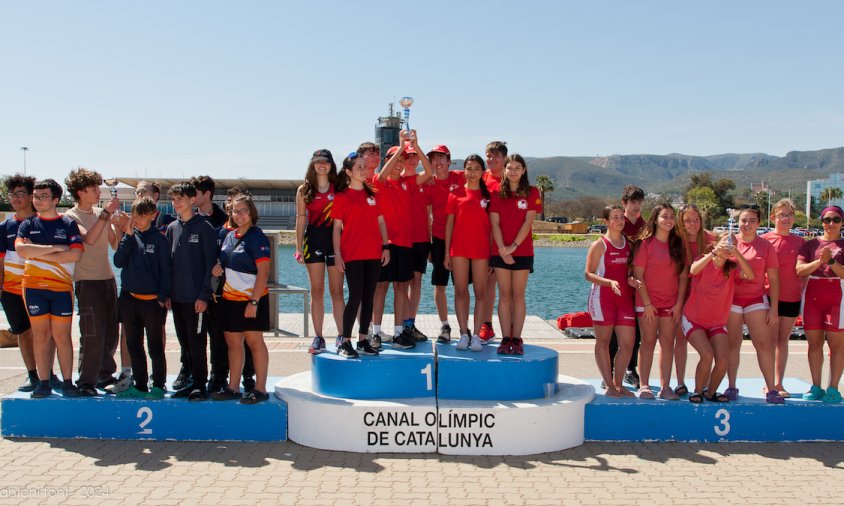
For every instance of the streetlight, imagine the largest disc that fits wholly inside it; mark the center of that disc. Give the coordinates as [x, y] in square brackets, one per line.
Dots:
[24, 149]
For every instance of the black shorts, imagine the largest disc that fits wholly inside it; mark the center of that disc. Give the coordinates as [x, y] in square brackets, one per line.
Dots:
[318, 246]
[400, 268]
[16, 313]
[789, 309]
[234, 321]
[522, 263]
[439, 274]
[420, 256]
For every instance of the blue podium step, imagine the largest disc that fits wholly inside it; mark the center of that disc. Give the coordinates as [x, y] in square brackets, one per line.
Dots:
[393, 374]
[749, 418]
[486, 375]
[109, 417]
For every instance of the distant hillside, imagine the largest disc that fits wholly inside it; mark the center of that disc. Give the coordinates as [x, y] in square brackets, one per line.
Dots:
[607, 175]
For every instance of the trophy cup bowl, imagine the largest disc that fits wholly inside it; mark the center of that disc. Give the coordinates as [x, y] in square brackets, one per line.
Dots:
[406, 102]
[112, 189]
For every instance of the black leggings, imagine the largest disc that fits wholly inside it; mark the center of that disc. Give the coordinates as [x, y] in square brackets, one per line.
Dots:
[362, 278]
[138, 316]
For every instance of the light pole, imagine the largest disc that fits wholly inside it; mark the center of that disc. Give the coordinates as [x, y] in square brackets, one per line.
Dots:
[24, 149]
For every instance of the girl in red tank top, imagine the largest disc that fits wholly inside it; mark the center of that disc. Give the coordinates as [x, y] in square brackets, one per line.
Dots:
[611, 300]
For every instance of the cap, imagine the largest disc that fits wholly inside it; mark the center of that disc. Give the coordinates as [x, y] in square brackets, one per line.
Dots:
[440, 148]
[323, 154]
[409, 150]
[393, 150]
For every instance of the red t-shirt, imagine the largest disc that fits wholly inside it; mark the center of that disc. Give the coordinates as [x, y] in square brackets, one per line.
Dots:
[512, 213]
[394, 199]
[787, 248]
[695, 251]
[631, 230]
[761, 256]
[811, 251]
[493, 184]
[361, 238]
[436, 196]
[711, 297]
[470, 237]
[319, 209]
[660, 273]
[419, 215]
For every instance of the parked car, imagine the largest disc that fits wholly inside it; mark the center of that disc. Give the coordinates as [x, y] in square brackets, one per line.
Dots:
[598, 229]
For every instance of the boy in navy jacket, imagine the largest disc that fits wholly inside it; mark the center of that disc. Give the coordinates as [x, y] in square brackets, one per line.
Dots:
[193, 252]
[143, 254]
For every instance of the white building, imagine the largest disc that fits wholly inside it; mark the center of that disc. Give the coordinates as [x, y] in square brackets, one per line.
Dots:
[815, 187]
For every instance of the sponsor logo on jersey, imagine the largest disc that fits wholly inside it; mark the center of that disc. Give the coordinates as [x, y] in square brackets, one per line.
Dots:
[33, 308]
[194, 238]
[150, 248]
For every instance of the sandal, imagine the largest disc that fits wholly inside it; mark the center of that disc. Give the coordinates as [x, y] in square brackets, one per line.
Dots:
[773, 397]
[254, 397]
[668, 395]
[681, 390]
[645, 393]
[696, 398]
[732, 393]
[716, 397]
[833, 396]
[815, 393]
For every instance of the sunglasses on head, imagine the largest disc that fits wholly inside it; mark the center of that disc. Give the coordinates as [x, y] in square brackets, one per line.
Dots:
[352, 155]
[752, 206]
[831, 219]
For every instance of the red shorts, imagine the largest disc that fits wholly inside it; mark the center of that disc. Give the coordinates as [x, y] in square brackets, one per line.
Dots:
[661, 312]
[689, 327]
[822, 305]
[750, 304]
[607, 308]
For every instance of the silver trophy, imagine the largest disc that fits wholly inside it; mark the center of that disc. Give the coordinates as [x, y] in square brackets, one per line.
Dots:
[405, 103]
[112, 189]
[732, 214]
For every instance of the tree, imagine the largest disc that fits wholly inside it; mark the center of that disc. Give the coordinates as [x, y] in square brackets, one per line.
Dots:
[704, 198]
[831, 193]
[544, 184]
[720, 188]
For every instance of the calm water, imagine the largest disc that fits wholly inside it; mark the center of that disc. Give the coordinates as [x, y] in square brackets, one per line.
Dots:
[556, 286]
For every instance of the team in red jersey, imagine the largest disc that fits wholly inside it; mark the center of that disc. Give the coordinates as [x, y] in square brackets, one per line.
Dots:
[512, 211]
[496, 154]
[314, 246]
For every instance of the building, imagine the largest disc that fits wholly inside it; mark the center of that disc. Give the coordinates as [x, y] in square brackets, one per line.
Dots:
[814, 188]
[274, 198]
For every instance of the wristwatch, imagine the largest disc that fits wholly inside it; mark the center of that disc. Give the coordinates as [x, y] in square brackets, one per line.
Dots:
[253, 302]
[831, 261]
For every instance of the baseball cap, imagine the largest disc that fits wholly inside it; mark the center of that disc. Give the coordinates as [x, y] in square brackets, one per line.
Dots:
[440, 148]
[322, 154]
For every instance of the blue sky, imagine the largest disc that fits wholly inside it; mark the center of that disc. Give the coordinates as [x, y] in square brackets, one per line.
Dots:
[250, 89]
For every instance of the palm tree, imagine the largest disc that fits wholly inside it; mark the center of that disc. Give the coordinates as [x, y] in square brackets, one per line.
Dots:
[544, 184]
[831, 193]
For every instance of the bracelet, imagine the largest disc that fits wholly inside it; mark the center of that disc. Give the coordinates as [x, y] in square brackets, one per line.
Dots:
[515, 244]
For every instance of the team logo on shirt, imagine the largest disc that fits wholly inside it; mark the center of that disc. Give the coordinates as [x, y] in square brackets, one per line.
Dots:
[370, 201]
[522, 203]
[484, 203]
[239, 248]
[453, 187]
[61, 234]
[194, 238]
[330, 196]
[33, 308]
[404, 186]
[150, 248]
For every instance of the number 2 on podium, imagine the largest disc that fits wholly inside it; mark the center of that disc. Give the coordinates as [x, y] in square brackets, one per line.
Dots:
[429, 381]
[145, 413]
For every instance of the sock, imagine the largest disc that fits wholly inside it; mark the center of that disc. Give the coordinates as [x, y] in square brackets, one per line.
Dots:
[127, 371]
[376, 328]
[489, 324]
[67, 383]
[45, 383]
[445, 323]
[408, 323]
[399, 329]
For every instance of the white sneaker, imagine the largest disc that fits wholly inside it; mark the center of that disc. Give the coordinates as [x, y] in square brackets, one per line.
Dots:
[122, 384]
[385, 338]
[476, 344]
[463, 343]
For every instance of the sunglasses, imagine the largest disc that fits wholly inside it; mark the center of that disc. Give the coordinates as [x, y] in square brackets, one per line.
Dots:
[352, 155]
[831, 219]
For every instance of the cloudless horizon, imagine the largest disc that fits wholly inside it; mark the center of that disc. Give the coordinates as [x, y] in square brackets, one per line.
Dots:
[251, 89]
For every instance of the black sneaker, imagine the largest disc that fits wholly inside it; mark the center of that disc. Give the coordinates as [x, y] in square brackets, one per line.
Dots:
[87, 391]
[631, 377]
[445, 334]
[254, 397]
[197, 395]
[41, 391]
[374, 340]
[55, 383]
[225, 395]
[419, 336]
[29, 383]
[346, 350]
[183, 379]
[183, 393]
[248, 383]
[70, 391]
[404, 341]
[364, 348]
[111, 380]
[215, 385]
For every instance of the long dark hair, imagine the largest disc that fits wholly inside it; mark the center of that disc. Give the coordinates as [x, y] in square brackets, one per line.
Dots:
[309, 188]
[675, 244]
[341, 182]
[523, 189]
[481, 183]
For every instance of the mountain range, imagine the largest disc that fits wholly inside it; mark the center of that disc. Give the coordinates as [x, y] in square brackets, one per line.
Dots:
[604, 176]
